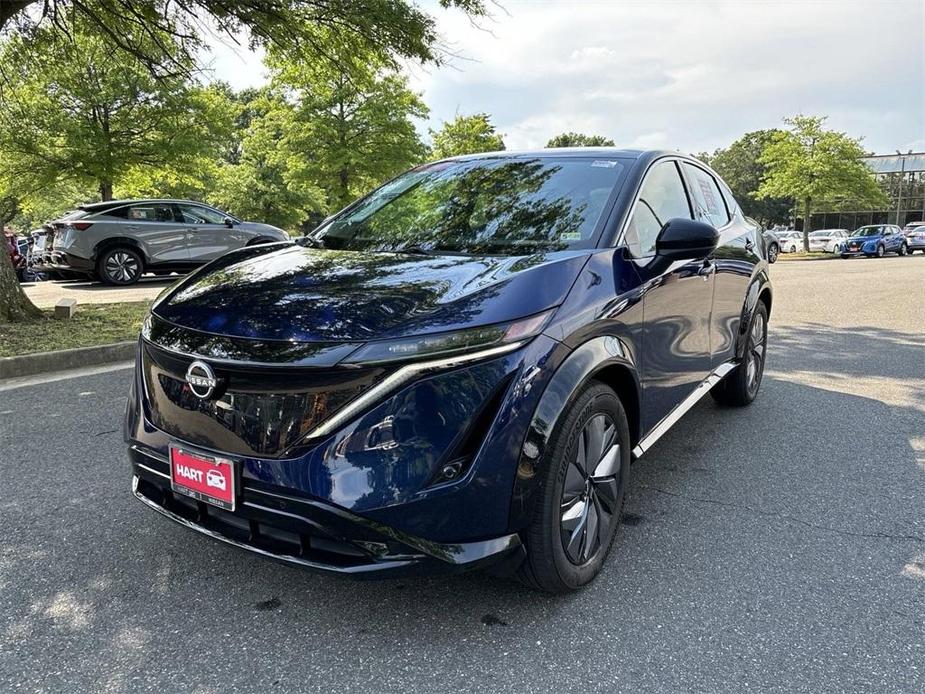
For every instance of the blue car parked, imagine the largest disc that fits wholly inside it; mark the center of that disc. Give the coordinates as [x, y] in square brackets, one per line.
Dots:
[875, 240]
[455, 371]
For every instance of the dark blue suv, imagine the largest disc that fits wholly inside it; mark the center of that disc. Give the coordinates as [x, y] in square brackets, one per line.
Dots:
[457, 370]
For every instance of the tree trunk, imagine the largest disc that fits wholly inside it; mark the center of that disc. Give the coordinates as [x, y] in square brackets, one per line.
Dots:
[105, 190]
[15, 306]
[807, 225]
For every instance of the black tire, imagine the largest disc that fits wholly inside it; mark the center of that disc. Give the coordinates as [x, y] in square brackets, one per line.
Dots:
[740, 386]
[845, 256]
[902, 249]
[120, 266]
[575, 499]
[880, 250]
[773, 252]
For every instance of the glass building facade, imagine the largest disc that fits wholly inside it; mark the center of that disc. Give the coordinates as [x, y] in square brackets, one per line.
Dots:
[902, 177]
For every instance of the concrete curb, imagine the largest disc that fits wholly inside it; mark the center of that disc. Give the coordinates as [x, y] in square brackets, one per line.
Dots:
[64, 359]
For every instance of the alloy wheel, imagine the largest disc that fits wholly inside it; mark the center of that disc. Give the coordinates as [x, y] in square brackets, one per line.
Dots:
[757, 345]
[591, 490]
[122, 267]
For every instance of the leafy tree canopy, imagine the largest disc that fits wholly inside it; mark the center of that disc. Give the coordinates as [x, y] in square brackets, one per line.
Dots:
[740, 166]
[392, 28]
[466, 135]
[813, 165]
[579, 140]
[87, 113]
[352, 121]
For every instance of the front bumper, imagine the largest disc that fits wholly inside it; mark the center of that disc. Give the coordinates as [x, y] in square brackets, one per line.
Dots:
[312, 534]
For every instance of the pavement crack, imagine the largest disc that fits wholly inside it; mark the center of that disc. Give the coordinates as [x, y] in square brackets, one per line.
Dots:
[108, 431]
[786, 517]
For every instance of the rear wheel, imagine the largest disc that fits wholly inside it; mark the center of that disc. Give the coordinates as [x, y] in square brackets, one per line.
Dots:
[120, 266]
[902, 249]
[773, 252]
[740, 386]
[586, 469]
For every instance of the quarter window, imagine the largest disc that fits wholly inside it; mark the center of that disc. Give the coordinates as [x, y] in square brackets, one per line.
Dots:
[708, 201]
[662, 198]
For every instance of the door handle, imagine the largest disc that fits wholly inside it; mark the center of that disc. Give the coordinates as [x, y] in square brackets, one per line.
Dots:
[707, 269]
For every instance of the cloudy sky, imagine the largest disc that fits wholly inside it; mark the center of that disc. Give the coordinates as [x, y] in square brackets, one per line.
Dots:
[689, 75]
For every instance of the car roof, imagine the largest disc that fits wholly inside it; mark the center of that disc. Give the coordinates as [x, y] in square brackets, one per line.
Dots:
[553, 152]
[111, 204]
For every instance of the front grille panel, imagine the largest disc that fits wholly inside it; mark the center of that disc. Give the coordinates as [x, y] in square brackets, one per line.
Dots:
[254, 411]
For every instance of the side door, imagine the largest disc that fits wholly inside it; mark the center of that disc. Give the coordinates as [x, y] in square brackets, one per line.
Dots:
[892, 238]
[675, 352]
[153, 225]
[207, 234]
[736, 256]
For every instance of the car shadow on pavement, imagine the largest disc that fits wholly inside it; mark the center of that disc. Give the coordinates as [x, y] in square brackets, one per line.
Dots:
[799, 515]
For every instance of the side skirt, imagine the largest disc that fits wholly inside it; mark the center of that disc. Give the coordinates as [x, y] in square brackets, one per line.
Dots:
[672, 417]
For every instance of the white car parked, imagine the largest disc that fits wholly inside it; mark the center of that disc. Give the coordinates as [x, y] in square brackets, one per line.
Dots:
[790, 241]
[827, 240]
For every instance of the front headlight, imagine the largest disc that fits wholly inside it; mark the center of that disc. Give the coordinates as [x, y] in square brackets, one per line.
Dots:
[451, 343]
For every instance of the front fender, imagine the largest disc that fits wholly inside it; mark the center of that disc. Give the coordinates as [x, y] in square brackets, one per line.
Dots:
[579, 367]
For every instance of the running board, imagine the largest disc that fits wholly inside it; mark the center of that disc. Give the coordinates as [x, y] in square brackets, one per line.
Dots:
[672, 417]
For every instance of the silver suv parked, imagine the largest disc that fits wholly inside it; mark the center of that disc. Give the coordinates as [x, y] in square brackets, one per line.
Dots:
[119, 240]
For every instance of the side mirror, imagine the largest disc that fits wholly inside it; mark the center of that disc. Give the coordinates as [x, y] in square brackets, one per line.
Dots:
[229, 222]
[686, 239]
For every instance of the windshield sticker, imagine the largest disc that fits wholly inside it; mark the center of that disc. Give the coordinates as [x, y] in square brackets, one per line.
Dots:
[570, 236]
[604, 163]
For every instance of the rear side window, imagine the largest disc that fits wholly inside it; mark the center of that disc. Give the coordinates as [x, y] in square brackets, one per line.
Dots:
[662, 198]
[144, 212]
[708, 201]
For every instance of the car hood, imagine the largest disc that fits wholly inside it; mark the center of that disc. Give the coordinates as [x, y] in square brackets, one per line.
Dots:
[304, 294]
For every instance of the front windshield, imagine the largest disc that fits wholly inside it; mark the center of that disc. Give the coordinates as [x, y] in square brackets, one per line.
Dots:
[866, 231]
[493, 205]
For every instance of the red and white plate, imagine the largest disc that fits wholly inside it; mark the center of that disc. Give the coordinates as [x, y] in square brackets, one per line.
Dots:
[202, 477]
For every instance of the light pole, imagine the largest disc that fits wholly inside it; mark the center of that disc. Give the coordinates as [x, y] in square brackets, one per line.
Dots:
[902, 175]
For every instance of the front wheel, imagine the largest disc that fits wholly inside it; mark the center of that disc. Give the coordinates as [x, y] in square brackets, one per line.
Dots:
[585, 473]
[880, 251]
[740, 386]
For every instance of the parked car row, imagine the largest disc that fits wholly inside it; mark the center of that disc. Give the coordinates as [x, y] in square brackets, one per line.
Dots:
[117, 241]
[871, 240]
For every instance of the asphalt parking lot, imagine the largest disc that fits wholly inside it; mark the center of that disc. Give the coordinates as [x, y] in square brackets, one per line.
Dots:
[47, 294]
[776, 548]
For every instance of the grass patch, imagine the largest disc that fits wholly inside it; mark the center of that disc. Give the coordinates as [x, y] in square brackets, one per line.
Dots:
[92, 324]
[801, 255]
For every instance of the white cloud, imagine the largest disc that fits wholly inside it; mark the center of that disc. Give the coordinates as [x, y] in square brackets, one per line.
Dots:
[682, 75]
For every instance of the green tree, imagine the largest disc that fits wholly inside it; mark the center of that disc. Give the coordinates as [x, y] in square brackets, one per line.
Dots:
[740, 166]
[86, 112]
[256, 180]
[393, 28]
[466, 135]
[571, 139]
[352, 125]
[816, 166]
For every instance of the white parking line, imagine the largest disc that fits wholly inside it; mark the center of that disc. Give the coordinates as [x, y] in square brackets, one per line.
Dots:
[26, 381]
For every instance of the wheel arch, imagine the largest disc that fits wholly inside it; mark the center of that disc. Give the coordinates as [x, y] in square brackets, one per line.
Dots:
[758, 291]
[111, 242]
[604, 358]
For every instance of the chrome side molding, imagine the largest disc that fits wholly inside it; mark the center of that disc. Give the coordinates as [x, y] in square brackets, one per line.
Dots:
[672, 417]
